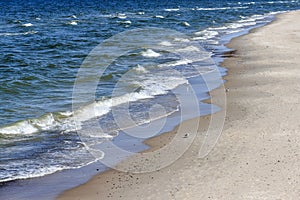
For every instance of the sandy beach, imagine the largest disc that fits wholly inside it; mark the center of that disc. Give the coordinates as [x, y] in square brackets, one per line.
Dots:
[257, 155]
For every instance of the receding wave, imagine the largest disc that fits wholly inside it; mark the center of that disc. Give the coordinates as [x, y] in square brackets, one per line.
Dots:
[42, 171]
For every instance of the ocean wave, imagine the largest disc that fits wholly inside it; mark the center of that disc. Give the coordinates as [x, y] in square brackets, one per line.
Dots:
[140, 68]
[72, 121]
[65, 121]
[181, 40]
[171, 9]
[27, 24]
[212, 32]
[165, 43]
[189, 49]
[176, 63]
[121, 16]
[221, 8]
[73, 22]
[159, 16]
[127, 22]
[249, 3]
[47, 122]
[278, 2]
[248, 21]
[205, 34]
[185, 24]
[16, 34]
[149, 53]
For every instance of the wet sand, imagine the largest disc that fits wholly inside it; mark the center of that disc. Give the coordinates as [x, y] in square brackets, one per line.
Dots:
[258, 153]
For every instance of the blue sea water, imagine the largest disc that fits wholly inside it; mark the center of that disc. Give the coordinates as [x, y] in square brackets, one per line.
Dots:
[44, 43]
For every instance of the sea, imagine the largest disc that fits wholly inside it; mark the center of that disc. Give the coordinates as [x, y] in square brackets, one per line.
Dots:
[106, 66]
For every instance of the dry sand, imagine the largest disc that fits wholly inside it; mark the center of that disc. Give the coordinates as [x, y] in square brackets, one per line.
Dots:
[258, 154]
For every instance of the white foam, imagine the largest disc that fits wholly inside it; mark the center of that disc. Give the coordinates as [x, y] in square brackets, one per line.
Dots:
[215, 42]
[181, 40]
[31, 173]
[217, 28]
[205, 34]
[188, 49]
[247, 20]
[73, 23]
[165, 43]
[66, 113]
[92, 110]
[140, 68]
[73, 16]
[121, 16]
[249, 3]
[42, 171]
[69, 125]
[149, 53]
[159, 16]
[176, 63]
[221, 8]
[27, 24]
[186, 24]
[158, 85]
[108, 16]
[141, 13]
[128, 22]
[233, 27]
[154, 84]
[198, 38]
[249, 23]
[101, 136]
[15, 34]
[151, 84]
[22, 127]
[171, 9]
[45, 122]
[102, 107]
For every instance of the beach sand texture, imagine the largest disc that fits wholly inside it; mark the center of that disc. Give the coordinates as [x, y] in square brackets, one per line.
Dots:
[258, 153]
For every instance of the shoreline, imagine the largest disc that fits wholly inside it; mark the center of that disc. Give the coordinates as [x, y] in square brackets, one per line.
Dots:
[180, 179]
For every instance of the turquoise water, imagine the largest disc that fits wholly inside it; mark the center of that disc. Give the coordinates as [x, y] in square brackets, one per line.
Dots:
[44, 43]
